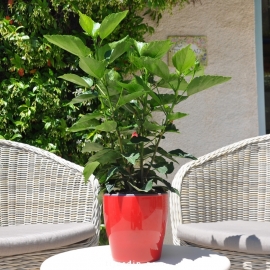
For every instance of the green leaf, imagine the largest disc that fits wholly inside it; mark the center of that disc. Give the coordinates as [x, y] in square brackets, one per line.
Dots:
[184, 59]
[89, 169]
[182, 154]
[169, 186]
[154, 49]
[148, 186]
[105, 156]
[164, 153]
[174, 82]
[87, 121]
[71, 44]
[119, 48]
[77, 80]
[111, 173]
[144, 189]
[15, 136]
[164, 167]
[110, 23]
[163, 99]
[91, 146]
[88, 25]
[110, 187]
[107, 126]
[139, 139]
[104, 52]
[171, 128]
[127, 98]
[92, 67]
[153, 95]
[201, 83]
[152, 126]
[156, 67]
[83, 97]
[177, 115]
[132, 158]
[131, 87]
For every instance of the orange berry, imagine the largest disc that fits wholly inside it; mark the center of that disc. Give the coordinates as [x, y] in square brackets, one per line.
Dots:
[21, 72]
[32, 71]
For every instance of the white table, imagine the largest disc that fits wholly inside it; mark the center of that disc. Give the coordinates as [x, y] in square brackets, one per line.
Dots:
[184, 258]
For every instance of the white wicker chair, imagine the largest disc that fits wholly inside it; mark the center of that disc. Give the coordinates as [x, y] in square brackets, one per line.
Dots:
[231, 183]
[38, 187]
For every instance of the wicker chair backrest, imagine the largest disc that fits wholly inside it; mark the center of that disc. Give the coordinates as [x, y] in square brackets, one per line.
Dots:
[39, 187]
[232, 183]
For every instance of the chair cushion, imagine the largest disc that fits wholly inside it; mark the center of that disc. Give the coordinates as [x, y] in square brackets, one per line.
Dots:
[21, 239]
[251, 237]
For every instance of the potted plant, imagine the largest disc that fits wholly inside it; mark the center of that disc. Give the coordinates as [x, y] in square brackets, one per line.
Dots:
[125, 149]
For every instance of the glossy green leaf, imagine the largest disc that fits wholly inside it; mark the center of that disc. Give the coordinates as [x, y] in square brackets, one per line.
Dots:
[88, 25]
[152, 126]
[87, 121]
[164, 167]
[139, 139]
[110, 23]
[146, 88]
[119, 48]
[127, 98]
[169, 186]
[177, 115]
[77, 80]
[107, 126]
[89, 169]
[164, 153]
[133, 86]
[83, 98]
[204, 82]
[174, 82]
[71, 44]
[156, 67]
[105, 156]
[171, 128]
[184, 59]
[92, 146]
[111, 173]
[92, 67]
[132, 158]
[182, 154]
[148, 186]
[154, 49]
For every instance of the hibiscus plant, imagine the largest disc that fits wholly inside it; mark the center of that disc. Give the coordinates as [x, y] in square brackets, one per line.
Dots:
[131, 160]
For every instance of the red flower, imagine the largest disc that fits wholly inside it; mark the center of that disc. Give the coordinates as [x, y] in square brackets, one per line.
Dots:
[8, 18]
[134, 134]
[21, 72]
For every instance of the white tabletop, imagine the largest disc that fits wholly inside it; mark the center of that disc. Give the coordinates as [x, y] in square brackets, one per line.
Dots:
[184, 258]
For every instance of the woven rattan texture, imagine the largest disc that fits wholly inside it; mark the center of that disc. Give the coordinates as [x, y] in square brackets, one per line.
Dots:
[231, 183]
[39, 187]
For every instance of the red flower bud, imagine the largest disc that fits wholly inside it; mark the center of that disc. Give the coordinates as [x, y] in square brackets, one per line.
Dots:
[21, 72]
[134, 134]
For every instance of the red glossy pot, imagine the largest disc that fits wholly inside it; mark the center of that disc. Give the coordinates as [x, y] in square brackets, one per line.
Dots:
[135, 225]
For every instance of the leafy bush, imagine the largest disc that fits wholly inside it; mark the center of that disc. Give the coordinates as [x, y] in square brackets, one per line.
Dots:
[34, 103]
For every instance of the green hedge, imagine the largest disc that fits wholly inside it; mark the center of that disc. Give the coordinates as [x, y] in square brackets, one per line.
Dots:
[34, 102]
